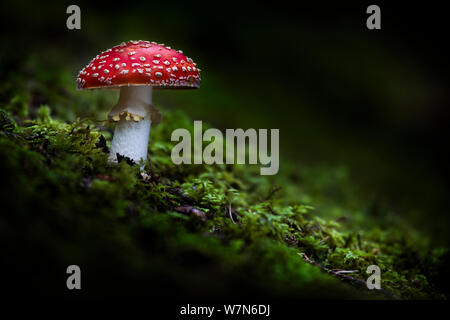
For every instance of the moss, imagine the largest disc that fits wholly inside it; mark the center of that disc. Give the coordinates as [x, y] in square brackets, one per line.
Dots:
[68, 203]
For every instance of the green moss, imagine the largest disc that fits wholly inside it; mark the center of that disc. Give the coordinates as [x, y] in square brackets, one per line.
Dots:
[74, 203]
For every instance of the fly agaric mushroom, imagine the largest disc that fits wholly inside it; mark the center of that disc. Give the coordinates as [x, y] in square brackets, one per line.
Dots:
[136, 67]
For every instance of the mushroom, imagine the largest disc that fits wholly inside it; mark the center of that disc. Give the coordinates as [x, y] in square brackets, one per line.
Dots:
[136, 67]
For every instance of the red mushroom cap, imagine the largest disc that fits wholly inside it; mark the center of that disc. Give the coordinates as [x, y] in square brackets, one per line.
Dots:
[140, 63]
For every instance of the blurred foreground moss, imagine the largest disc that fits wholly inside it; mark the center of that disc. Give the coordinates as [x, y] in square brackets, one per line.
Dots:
[202, 231]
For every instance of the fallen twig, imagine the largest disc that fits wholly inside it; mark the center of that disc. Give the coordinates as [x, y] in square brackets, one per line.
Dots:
[230, 213]
[324, 239]
[342, 274]
[190, 209]
[339, 273]
[344, 271]
[272, 193]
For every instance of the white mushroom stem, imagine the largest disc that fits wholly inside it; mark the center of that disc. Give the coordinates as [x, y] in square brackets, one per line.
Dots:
[131, 140]
[133, 115]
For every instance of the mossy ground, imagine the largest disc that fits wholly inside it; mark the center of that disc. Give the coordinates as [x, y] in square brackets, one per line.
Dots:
[189, 230]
